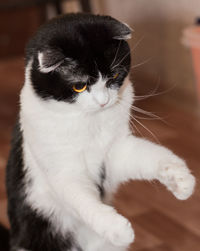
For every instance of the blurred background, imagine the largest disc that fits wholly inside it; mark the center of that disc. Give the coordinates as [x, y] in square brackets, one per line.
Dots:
[165, 71]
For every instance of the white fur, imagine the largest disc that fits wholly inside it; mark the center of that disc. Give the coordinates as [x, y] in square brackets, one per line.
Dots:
[64, 148]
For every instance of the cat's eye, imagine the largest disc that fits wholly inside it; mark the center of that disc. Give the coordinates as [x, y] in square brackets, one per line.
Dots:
[116, 75]
[79, 87]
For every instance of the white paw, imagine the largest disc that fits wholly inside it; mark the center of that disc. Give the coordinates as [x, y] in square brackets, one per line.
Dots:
[120, 233]
[116, 229]
[177, 178]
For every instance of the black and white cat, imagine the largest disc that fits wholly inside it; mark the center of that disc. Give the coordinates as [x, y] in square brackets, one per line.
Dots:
[72, 145]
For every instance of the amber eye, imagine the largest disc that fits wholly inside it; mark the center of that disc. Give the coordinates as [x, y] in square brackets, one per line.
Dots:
[79, 87]
[116, 75]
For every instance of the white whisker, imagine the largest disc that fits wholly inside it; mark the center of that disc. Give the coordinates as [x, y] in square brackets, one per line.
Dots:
[152, 134]
[121, 60]
[132, 123]
[132, 117]
[116, 54]
[142, 63]
[153, 94]
[138, 42]
[131, 50]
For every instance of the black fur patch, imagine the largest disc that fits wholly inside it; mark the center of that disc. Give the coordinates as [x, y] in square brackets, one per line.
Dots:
[4, 239]
[29, 230]
[82, 45]
[102, 179]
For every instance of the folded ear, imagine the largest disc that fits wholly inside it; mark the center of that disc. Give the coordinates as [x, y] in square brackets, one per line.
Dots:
[49, 60]
[124, 31]
[119, 30]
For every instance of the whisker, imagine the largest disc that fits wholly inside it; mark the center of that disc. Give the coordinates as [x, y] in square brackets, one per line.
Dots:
[131, 50]
[142, 63]
[116, 54]
[153, 94]
[145, 118]
[137, 109]
[123, 67]
[152, 134]
[151, 116]
[121, 60]
[138, 42]
[132, 123]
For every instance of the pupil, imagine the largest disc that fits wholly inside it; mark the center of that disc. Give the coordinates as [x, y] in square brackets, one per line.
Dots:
[79, 86]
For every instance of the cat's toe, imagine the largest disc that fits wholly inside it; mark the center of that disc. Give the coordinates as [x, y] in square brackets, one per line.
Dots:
[178, 179]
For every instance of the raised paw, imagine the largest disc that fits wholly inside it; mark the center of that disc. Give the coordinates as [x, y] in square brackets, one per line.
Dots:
[177, 178]
[115, 228]
[120, 233]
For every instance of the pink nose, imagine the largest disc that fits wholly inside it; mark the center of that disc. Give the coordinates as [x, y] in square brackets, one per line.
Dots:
[102, 105]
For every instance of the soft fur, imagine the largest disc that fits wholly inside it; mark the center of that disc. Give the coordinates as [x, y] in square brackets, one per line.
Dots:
[71, 151]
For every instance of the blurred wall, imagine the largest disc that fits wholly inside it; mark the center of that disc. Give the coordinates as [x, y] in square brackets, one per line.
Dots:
[158, 26]
[17, 25]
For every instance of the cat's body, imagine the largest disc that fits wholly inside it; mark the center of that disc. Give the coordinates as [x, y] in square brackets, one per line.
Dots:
[72, 150]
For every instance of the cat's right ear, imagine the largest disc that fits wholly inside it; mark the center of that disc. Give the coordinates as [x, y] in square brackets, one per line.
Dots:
[49, 60]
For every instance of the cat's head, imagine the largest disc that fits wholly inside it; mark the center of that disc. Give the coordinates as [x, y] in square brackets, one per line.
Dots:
[80, 58]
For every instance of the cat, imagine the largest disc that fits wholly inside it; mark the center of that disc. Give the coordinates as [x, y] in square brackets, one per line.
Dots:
[72, 145]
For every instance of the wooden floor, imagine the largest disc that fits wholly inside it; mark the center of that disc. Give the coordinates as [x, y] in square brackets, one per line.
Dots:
[161, 222]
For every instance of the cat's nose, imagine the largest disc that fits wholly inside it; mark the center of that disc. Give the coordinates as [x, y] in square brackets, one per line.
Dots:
[102, 105]
[102, 99]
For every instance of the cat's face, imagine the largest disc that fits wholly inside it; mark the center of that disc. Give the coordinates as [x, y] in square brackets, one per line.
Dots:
[80, 59]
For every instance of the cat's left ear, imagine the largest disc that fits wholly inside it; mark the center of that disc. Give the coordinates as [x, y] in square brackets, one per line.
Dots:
[49, 60]
[124, 32]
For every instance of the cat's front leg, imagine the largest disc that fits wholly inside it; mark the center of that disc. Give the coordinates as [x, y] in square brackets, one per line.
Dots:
[85, 202]
[136, 158]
